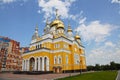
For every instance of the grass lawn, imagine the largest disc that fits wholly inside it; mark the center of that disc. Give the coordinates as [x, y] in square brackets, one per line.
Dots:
[102, 75]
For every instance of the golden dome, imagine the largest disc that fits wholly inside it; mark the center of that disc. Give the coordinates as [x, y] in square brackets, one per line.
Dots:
[69, 30]
[60, 25]
[55, 22]
[77, 37]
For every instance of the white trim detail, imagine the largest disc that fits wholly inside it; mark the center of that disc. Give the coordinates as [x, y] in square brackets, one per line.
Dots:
[45, 50]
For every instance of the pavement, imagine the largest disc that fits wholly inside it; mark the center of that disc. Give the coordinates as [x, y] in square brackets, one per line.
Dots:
[118, 76]
[11, 76]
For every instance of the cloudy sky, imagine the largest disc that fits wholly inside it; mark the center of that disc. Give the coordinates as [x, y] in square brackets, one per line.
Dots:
[96, 21]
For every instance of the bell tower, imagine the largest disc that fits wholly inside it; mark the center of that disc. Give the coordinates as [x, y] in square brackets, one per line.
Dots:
[69, 31]
[35, 35]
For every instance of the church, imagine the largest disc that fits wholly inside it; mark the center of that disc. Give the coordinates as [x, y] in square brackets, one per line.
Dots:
[56, 51]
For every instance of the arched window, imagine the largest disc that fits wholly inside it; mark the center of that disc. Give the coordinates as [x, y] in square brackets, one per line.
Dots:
[40, 45]
[55, 60]
[66, 59]
[59, 60]
[36, 47]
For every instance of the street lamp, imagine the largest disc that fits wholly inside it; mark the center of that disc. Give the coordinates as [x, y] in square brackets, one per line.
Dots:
[80, 67]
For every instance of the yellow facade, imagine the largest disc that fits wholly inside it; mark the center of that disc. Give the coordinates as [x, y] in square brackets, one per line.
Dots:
[55, 51]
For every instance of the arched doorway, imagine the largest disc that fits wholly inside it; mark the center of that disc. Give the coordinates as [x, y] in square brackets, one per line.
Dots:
[37, 64]
[57, 69]
[40, 63]
[32, 64]
[45, 63]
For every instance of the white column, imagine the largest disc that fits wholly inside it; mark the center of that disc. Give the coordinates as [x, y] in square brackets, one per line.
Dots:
[38, 64]
[28, 65]
[35, 66]
[22, 65]
[47, 64]
[25, 65]
[42, 63]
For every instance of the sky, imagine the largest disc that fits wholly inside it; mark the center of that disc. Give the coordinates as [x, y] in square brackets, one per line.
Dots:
[96, 21]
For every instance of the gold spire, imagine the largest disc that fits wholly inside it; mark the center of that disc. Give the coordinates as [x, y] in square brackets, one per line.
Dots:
[36, 29]
[57, 16]
[57, 21]
[77, 36]
[69, 27]
[47, 22]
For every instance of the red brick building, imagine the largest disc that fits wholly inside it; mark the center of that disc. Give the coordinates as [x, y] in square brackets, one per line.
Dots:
[10, 56]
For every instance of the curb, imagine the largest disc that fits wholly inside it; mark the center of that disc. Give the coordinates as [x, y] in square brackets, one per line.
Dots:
[117, 76]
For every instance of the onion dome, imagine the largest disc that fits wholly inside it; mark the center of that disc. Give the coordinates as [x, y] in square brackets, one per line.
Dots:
[60, 26]
[35, 35]
[77, 36]
[56, 22]
[69, 30]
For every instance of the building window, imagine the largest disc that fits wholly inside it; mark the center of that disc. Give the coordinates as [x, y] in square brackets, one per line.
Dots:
[59, 60]
[55, 60]
[76, 59]
[57, 45]
[36, 46]
[75, 49]
[40, 45]
[65, 46]
[66, 59]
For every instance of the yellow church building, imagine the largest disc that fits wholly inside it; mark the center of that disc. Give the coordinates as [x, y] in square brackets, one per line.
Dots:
[57, 50]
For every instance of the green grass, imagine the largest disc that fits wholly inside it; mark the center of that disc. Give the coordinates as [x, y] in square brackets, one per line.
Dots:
[102, 75]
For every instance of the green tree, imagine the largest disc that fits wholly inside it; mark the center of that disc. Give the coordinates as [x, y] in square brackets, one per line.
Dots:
[97, 67]
[113, 65]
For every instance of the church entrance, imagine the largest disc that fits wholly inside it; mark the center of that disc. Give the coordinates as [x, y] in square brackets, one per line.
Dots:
[57, 69]
[32, 64]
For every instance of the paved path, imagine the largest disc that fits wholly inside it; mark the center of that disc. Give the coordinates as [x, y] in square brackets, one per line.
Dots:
[10, 76]
[118, 76]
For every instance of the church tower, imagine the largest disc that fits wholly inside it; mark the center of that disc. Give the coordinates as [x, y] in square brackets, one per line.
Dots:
[35, 35]
[77, 38]
[47, 28]
[57, 26]
[70, 32]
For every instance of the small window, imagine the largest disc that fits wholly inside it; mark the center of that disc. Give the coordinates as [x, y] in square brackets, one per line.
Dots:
[59, 60]
[55, 60]
[75, 49]
[66, 59]
[56, 45]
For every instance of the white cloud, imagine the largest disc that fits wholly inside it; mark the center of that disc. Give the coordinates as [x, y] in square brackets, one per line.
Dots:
[10, 1]
[95, 31]
[39, 11]
[109, 44]
[115, 1]
[104, 54]
[49, 6]
[82, 20]
[7, 1]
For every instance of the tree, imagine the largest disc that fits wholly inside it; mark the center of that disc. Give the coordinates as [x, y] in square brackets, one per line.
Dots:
[113, 65]
[90, 68]
[97, 67]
